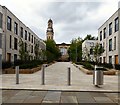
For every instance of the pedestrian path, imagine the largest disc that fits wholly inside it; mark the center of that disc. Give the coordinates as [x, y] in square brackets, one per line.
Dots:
[58, 97]
[56, 79]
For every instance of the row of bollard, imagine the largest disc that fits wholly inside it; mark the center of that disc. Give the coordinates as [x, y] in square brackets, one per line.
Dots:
[43, 75]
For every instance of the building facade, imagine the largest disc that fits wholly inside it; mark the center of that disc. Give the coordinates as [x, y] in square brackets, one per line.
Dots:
[87, 50]
[1, 26]
[63, 47]
[109, 38]
[14, 32]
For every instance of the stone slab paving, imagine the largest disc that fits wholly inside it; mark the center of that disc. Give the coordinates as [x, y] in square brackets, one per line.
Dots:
[56, 79]
[57, 97]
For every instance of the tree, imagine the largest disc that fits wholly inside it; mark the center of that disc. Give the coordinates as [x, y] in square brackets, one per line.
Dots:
[52, 51]
[75, 50]
[98, 50]
[89, 37]
[23, 53]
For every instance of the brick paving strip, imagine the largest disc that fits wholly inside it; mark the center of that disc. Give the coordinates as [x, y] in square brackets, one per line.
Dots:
[58, 97]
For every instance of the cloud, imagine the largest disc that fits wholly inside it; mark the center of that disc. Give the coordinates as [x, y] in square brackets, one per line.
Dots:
[70, 19]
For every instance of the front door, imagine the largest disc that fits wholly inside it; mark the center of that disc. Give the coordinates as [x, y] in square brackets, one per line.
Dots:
[9, 57]
[116, 59]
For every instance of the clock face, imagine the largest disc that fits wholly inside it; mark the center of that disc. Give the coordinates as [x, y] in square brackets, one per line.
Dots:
[49, 29]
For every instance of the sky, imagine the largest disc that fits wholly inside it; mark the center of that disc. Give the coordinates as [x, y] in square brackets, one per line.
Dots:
[71, 19]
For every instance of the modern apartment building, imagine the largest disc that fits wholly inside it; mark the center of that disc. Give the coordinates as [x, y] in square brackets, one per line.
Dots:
[15, 31]
[87, 50]
[109, 38]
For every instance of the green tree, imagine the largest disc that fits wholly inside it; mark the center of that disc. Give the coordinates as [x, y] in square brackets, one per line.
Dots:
[24, 55]
[89, 37]
[75, 50]
[52, 51]
[98, 50]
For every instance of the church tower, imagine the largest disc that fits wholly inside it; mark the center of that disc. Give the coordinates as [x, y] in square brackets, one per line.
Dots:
[50, 32]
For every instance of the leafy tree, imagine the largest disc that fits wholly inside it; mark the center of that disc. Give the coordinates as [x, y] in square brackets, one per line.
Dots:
[98, 50]
[52, 51]
[75, 50]
[89, 37]
[24, 55]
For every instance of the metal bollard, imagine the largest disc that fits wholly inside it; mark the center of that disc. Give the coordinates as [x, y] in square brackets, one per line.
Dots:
[43, 75]
[17, 74]
[69, 76]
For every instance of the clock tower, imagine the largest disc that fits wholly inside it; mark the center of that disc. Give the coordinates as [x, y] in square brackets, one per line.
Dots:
[50, 32]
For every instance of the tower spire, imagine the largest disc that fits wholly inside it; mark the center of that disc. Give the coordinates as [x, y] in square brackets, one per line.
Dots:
[50, 32]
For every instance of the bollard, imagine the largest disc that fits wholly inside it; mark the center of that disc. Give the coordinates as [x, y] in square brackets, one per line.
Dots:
[17, 74]
[43, 75]
[69, 76]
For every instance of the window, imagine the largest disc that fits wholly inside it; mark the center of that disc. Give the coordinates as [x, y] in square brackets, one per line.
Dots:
[110, 28]
[1, 20]
[32, 38]
[10, 41]
[21, 32]
[110, 59]
[0, 63]
[15, 57]
[15, 43]
[29, 37]
[15, 28]
[9, 23]
[115, 43]
[25, 47]
[25, 35]
[32, 49]
[100, 35]
[110, 45]
[0, 40]
[91, 51]
[116, 24]
[104, 33]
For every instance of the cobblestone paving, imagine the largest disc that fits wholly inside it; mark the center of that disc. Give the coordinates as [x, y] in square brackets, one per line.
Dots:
[58, 97]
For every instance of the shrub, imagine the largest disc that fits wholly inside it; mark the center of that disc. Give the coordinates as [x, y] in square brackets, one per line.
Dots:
[6, 65]
[117, 66]
[88, 66]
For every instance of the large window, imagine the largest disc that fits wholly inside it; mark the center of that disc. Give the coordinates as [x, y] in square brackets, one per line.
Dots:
[21, 32]
[25, 35]
[25, 47]
[29, 36]
[10, 41]
[15, 43]
[116, 24]
[91, 51]
[110, 59]
[104, 33]
[32, 49]
[32, 38]
[1, 19]
[100, 35]
[0, 40]
[15, 28]
[110, 28]
[115, 43]
[110, 45]
[9, 23]
[15, 57]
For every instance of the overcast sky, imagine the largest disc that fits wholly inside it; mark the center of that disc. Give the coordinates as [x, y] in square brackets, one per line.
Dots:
[70, 19]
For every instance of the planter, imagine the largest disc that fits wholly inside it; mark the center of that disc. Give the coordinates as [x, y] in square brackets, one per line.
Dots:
[22, 71]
